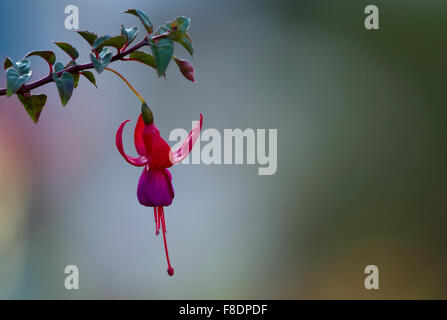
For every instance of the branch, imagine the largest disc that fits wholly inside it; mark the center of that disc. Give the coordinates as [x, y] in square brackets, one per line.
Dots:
[81, 67]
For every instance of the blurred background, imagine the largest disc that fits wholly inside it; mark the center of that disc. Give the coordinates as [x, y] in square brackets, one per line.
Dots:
[361, 173]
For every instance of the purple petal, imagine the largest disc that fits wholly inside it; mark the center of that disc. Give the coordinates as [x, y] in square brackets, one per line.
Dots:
[155, 188]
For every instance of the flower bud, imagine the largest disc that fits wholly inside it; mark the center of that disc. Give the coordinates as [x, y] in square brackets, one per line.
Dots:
[146, 112]
[186, 69]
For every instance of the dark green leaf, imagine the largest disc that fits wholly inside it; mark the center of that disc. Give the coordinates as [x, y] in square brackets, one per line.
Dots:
[69, 49]
[143, 18]
[130, 34]
[163, 29]
[100, 40]
[181, 23]
[162, 50]
[104, 59]
[75, 79]
[8, 63]
[143, 57]
[90, 77]
[65, 85]
[23, 66]
[90, 37]
[15, 80]
[186, 42]
[48, 56]
[71, 63]
[118, 42]
[17, 75]
[179, 35]
[59, 67]
[33, 105]
[178, 27]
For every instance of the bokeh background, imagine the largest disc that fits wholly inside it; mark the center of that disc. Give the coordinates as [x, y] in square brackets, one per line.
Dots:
[361, 173]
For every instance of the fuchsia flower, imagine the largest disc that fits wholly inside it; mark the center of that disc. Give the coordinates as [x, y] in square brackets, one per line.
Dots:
[155, 187]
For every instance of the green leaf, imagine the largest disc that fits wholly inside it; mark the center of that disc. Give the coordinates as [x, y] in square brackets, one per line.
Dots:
[90, 37]
[162, 50]
[143, 57]
[15, 80]
[75, 79]
[33, 105]
[65, 85]
[23, 66]
[143, 18]
[90, 77]
[178, 27]
[182, 23]
[104, 59]
[186, 42]
[17, 75]
[163, 29]
[71, 63]
[100, 40]
[118, 42]
[69, 49]
[130, 34]
[180, 35]
[8, 63]
[59, 66]
[48, 56]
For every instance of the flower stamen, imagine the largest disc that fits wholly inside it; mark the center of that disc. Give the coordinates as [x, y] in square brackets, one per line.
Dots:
[156, 219]
[162, 218]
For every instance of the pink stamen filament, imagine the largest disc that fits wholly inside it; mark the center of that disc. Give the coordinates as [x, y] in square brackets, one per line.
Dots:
[159, 220]
[156, 220]
[163, 223]
[162, 220]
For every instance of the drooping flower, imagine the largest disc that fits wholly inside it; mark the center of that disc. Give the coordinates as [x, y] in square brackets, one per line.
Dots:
[155, 155]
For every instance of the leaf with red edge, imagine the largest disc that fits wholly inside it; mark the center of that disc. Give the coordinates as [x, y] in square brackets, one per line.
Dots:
[33, 105]
[103, 59]
[64, 83]
[48, 56]
[75, 79]
[17, 75]
[162, 50]
[117, 42]
[143, 18]
[8, 63]
[90, 77]
[186, 42]
[99, 41]
[178, 27]
[68, 49]
[90, 37]
[129, 34]
[143, 57]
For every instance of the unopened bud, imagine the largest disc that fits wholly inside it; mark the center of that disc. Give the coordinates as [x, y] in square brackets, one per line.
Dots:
[186, 69]
[146, 112]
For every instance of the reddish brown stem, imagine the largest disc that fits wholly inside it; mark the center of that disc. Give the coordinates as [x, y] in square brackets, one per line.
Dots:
[81, 67]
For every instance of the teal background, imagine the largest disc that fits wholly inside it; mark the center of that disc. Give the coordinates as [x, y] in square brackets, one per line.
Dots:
[361, 173]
